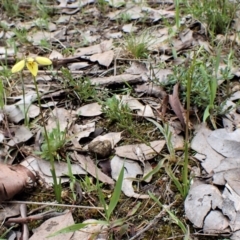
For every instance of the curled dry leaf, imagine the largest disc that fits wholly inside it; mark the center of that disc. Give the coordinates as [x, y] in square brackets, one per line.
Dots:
[134, 104]
[13, 180]
[131, 170]
[231, 207]
[156, 15]
[177, 106]
[235, 235]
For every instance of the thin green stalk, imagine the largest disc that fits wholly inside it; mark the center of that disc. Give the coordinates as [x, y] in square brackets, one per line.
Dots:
[177, 13]
[24, 101]
[2, 95]
[57, 186]
[186, 155]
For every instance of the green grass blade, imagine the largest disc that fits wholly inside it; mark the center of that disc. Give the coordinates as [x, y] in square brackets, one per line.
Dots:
[155, 170]
[175, 180]
[1, 94]
[206, 113]
[101, 198]
[116, 194]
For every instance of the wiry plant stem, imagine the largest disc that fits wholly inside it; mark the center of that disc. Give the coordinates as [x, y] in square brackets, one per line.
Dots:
[56, 185]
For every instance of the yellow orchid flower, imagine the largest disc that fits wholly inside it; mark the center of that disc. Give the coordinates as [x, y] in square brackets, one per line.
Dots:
[32, 64]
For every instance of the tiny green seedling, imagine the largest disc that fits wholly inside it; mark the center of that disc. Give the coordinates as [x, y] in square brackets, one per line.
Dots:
[217, 14]
[117, 112]
[11, 8]
[88, 185]
[137, 45]
[82, 88]
[21, 35]
[57, 140]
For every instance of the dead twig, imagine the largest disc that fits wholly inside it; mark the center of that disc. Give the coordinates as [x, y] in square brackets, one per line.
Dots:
[53, 204]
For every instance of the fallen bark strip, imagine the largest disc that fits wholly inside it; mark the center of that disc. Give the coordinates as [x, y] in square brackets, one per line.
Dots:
[119, 79]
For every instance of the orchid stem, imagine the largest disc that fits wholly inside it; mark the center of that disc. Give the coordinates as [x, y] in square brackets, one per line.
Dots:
[24, 102]
[55, 182]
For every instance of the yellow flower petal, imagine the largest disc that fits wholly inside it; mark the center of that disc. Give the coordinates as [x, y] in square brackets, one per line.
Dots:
[18, 66]
[43, 60]
[32, 67]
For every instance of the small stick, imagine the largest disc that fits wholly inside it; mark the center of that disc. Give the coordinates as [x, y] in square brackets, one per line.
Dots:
[53, 204]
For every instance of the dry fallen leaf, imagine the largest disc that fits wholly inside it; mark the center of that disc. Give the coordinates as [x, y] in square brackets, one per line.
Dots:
[90, 110]
[226, 165]
[137, 151]
[21, 135]
[151, 89]
[104, 58]
[134, 104]
[113, 137]
[200, 200]
[43, 168]
[52, 225]
[87, 164]
[224, 142]
[177, 106]
[95, 231]
[15, 112]
[216, 222]
[129, 28]
[131, 170]
[199, 143]
[94, 49]
[10, 210]
[81, 131]
[61, 168]
[60, 117]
